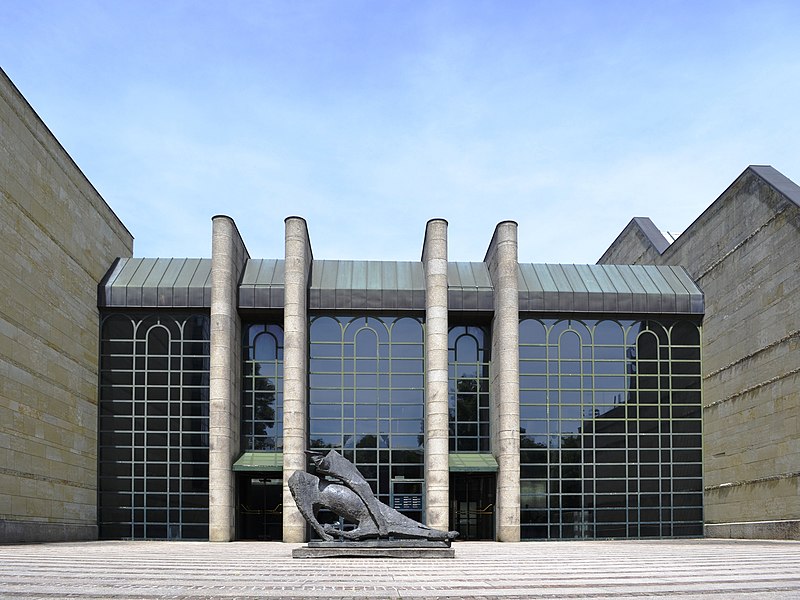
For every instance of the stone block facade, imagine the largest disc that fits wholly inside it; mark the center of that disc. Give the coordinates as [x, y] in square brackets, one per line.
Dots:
[58, 239]
[744, 252]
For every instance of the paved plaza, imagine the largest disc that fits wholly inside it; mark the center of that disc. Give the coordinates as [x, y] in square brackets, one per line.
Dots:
[583, 569]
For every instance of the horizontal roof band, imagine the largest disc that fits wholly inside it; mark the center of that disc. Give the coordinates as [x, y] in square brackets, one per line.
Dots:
[262, 284]
[157, 283]
[608, 289]
[388, 285]
[368, 285]
[469, 286]
[394, 285]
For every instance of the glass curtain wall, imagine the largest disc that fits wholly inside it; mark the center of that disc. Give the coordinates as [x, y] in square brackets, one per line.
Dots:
[153, 429]
[610, 429]
[366, 400]
[262, 389]
[469, 389]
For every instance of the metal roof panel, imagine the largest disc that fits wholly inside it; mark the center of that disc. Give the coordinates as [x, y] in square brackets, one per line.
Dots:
[366, 285]
[611, 289]
[665, 290]
[469, 286]
[158, 282]
[386, 285]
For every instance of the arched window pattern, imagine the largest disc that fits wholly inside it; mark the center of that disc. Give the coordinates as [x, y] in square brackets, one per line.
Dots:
[262, 389]
[366, 399]
[153, 429]
[610, 428]
[468, 402]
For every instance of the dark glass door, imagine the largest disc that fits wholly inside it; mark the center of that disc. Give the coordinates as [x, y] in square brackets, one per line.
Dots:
[259, 512]
[472, 497]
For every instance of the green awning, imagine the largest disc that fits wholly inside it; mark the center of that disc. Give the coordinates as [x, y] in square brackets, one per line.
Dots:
[472, 463]
[259, 461]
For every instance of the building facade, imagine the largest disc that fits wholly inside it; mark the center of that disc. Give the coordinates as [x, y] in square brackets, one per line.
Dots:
[171, 398]
[744, 252]
[58, 237]
[507, 401]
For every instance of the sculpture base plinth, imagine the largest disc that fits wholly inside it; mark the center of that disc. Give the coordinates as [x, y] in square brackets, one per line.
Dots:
[376, 549]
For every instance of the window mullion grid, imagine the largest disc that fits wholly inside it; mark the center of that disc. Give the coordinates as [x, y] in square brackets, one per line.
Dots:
[145, 446]
[664, 370]
[550, 393]
[134, 400]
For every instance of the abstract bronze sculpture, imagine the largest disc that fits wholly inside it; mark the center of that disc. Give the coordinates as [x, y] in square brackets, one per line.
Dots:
[346, 493]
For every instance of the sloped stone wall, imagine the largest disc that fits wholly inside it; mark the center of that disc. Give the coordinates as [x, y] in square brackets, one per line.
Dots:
[744, 252]
[58, 239]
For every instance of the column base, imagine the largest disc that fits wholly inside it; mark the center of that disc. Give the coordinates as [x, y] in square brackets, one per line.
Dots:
[508, 533]
[293, 534]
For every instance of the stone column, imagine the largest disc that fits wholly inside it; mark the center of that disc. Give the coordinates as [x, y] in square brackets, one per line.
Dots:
[437, 468]
[501, 259]
[295, 370]
[228, 258]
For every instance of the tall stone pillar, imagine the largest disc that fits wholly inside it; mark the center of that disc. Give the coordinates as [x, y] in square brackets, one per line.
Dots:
[501, 259]
[295, 370]
[228, 259]
[437, 468]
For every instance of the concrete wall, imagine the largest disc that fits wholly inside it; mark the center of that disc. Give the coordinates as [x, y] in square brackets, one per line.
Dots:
[58, 238]
[640, 243]
[744, 252]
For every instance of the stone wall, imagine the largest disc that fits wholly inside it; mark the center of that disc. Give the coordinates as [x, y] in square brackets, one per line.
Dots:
[640, 243]
[58, 239]
[744, 252]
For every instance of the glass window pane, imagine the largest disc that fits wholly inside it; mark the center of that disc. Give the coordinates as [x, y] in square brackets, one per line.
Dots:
[325, 329]
[532, 331]
[375, 375]
[605, 426]
[171, 378]
[406, 330]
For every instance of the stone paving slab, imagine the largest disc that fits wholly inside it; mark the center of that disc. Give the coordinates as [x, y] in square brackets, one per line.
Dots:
[619, 570]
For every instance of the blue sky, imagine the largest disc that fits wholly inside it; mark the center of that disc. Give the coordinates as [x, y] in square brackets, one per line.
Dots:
[369, 118]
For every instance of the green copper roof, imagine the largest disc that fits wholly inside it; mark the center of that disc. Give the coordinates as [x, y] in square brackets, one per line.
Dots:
[262, 284]
[259, 461]
[469, 286]
[400, 285]
[157, 283]
[608, 289]
[472, 463]
[367, 284]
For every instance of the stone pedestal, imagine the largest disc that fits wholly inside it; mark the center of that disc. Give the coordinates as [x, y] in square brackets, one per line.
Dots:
[376, 549]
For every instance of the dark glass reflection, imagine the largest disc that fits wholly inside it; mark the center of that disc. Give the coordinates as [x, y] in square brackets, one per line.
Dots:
[366, 389]
[469, 389]
[610, 428]
[262, 389]
[153, 429]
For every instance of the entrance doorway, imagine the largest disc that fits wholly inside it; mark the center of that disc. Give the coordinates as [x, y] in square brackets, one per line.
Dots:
[259, 512]
[472, 497]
